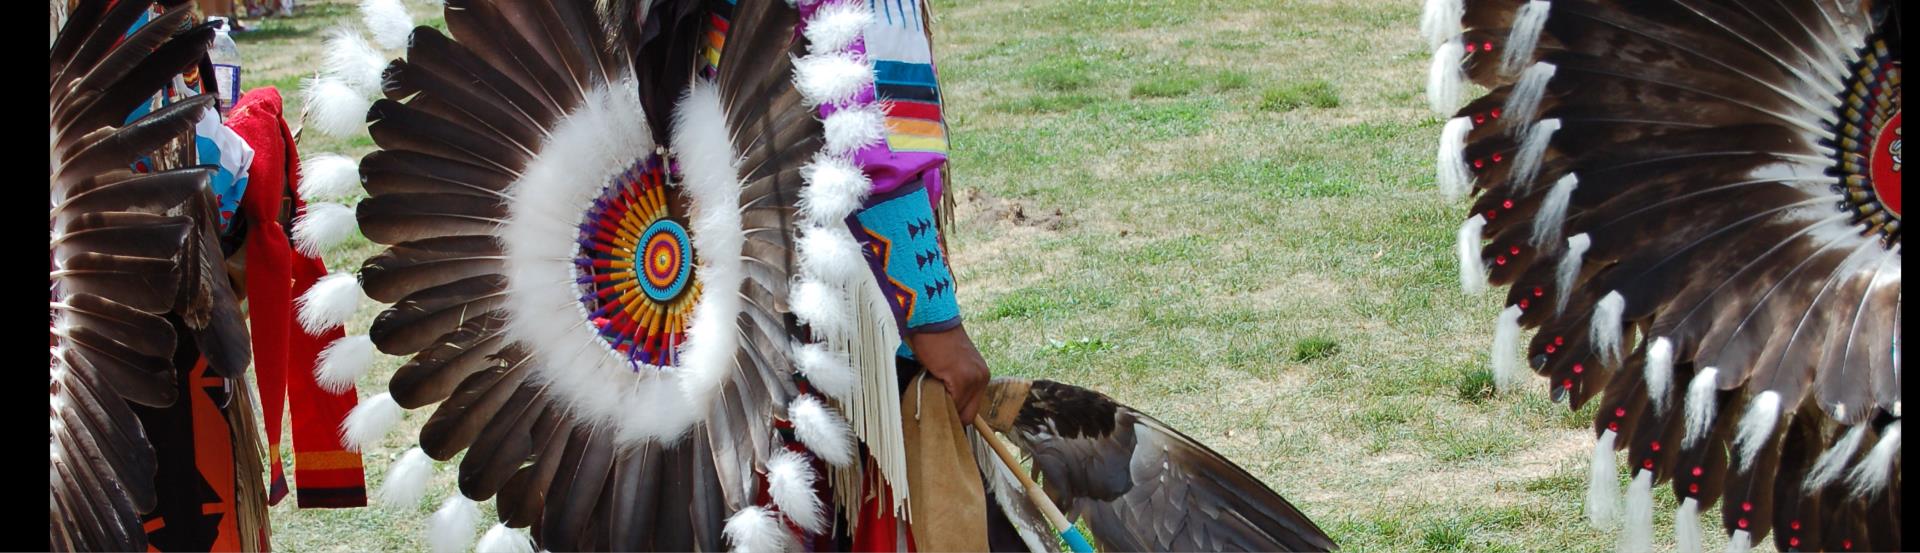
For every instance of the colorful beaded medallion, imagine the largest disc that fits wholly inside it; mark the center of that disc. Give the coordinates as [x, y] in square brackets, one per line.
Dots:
[1868, 141]
[635, 266]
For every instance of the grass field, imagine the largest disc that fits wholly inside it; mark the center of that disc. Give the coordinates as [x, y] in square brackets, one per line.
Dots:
[1220, 212]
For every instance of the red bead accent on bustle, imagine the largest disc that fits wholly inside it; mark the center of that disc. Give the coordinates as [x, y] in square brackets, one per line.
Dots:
[1578, 368]
[1647, 464]
[1538, 292]
[1523, 305]
[1697, 471]
[1743, 523]
[1549, 348]
[1656, 445]
[1506, 204]
[1793, 542]
[1619, 411]
[1794, 525]
[1746, 506]
[1693, 488]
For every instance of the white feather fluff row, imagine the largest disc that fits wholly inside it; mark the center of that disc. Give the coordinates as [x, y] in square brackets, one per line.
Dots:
[586, 149]
[338, 98]
[713, 189]
[828, 259]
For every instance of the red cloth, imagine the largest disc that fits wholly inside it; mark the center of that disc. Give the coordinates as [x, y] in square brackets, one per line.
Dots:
[880, 530]
[284, 355]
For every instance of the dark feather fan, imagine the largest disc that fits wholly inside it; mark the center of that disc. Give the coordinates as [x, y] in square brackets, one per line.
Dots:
[597, 218]
[129, 252]
[1696, 204]
[501, 148]
[1139, 484]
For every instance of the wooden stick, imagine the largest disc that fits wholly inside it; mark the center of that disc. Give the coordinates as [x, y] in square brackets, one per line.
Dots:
[1035, 493]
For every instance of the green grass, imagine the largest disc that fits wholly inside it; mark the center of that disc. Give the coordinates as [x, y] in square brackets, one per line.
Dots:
[1314, 349]
[1270, 275]
[1315, 93]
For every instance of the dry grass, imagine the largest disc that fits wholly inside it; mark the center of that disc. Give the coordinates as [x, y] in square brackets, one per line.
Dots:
[1275, 282]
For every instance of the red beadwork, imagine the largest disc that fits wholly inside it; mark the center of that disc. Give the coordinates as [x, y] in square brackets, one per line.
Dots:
[1549, 348]
[1523, 305]
[1794, 525]
[1568, 384]
[1537, 292]
[1479, 163]
[1647, 464]
[1656, 445]
[1793, 542]
[1619, 411]
[1697, 471]
[1496, 113]
[1514, 250]
[1846, 544]
[1693, 488]
[1746, 506]
[1578, 368]
[1502, 260]
[1743, 523]
[1559, 340]
[1496, 157]
[1488, 46]
[1614, 426]
[1507, 203]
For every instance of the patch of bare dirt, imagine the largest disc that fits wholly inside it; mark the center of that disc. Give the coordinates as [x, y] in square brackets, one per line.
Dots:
[978, 205]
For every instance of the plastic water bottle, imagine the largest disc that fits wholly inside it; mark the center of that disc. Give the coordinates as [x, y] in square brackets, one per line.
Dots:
[226, 66]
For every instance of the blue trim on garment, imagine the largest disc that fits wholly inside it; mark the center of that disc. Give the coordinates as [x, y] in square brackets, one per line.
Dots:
[902, 244]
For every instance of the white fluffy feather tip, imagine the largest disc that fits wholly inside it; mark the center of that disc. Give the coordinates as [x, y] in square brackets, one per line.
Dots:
[370, 421]
[1603, 488]
[755, 530]
[407, 480]
[501, 539]
[389, 21]
[1636, 532]
[831, 78]
[824, 432]
[450, 529]
[828, 372]
[836, 26]
[327, 177]
[329, 303]
[343, 362]
[790, 480]
[335, 108]
[323, 226]
[1450, 165]
[1473, 271]
[352, 60]
[1607, 327]
[1446, 77]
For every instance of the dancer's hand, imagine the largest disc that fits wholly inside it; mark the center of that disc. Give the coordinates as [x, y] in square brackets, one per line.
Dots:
[950, 357]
